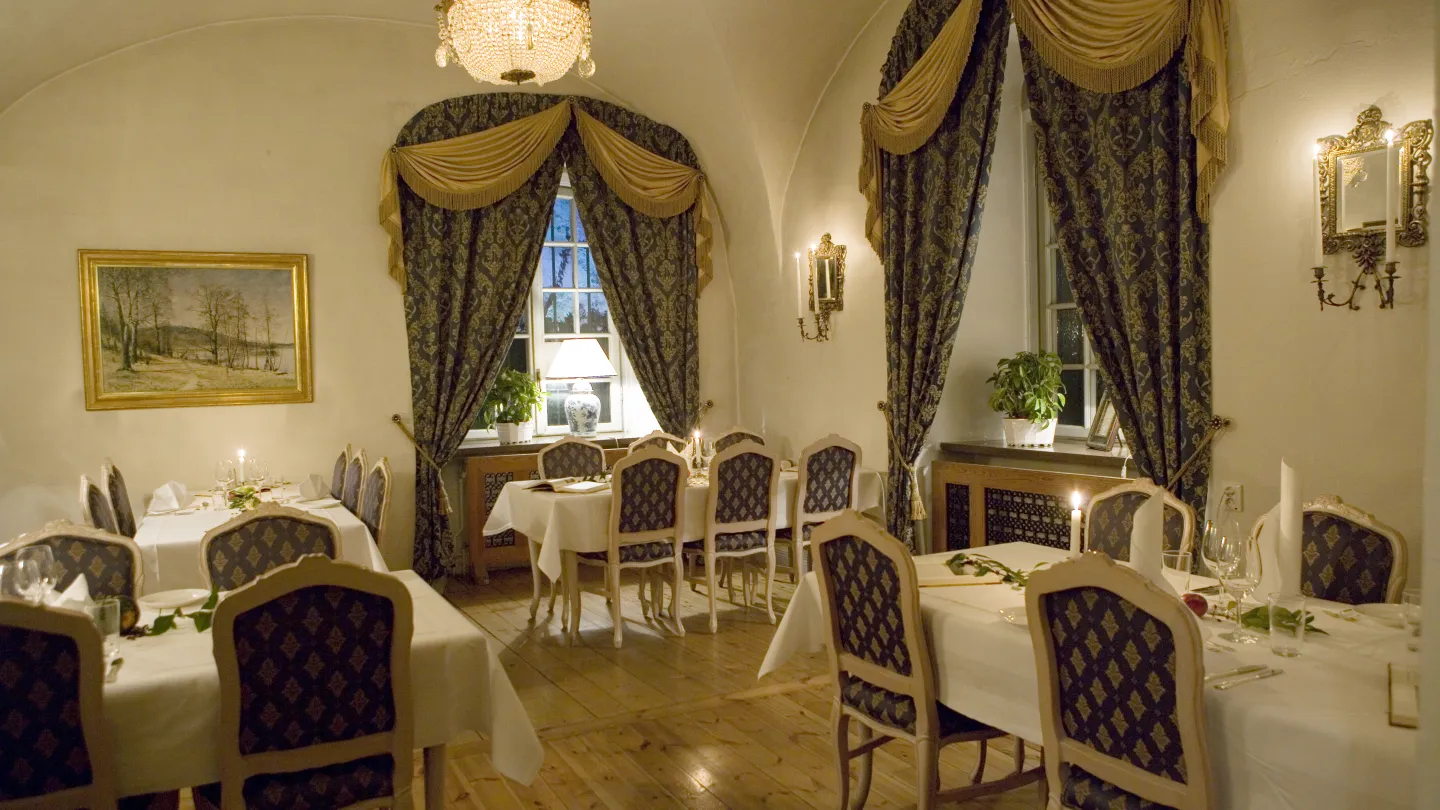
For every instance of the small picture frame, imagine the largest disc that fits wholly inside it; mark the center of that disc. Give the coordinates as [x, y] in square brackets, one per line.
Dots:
[1105, 428]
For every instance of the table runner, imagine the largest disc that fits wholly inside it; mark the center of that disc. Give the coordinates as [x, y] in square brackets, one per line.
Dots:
[1317, 736]
[581, 522]
[170, 543]
[163, 711]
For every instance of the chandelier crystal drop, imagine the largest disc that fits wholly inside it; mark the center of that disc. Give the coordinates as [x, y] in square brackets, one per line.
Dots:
[515, 41]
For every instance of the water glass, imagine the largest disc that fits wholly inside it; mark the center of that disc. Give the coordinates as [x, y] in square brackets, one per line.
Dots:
[1410, 610]
[1239, 572]
[1288, 615]
[9, 579]
[1177, 568]
[105, 613]
[44, 581]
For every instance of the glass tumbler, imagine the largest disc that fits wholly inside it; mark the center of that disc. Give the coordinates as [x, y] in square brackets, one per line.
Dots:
[1287, 624]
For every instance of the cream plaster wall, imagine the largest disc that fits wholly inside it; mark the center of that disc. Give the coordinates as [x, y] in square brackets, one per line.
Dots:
[251, 136]
[1427, 786]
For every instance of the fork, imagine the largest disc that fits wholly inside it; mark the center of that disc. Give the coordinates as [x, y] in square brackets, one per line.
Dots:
[1258, 676]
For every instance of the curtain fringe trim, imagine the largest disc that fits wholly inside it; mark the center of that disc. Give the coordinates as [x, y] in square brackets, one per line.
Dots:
[1090, 74]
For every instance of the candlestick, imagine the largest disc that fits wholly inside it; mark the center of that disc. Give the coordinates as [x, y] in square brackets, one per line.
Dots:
[1319, 216]
[1075, 516]
[799, 288]
[240, 467]
[1389, 196]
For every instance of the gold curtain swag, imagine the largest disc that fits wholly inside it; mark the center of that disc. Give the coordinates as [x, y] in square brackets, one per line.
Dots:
[910, 113]
[1102, 45]
[482, 168]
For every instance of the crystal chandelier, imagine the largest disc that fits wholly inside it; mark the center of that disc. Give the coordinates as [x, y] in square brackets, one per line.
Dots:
[515, 41]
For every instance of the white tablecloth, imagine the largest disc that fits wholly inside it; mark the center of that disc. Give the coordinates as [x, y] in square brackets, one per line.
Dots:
[581, 523]
[170, 544]
[163, 710]
[1317, 736]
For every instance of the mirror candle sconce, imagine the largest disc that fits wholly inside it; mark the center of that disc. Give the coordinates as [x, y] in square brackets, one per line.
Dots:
[1371, 195]
[820, 288]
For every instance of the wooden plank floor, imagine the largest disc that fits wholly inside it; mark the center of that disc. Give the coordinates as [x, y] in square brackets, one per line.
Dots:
[669, 721]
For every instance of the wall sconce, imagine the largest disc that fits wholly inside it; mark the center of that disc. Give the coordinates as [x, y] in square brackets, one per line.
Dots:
[1371, 189]
[820, 286]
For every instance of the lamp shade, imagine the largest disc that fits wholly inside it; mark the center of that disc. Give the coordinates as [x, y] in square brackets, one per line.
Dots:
[580, 359]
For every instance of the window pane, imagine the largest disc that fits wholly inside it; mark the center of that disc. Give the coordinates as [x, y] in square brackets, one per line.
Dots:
[560, 221]
[559, 312]
[556, 267]
[586, 274]
[579, 227]
[1070, 337]
[594, 313]
[1074, 411]
[518, 357]
[1063, 293]
[523, 328]
[555, 402]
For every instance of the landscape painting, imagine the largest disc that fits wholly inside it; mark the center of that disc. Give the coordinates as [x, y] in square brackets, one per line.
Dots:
[169, 329]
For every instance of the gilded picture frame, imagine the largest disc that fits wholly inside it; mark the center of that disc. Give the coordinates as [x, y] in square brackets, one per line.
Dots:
[171, 329]
[1105, 427]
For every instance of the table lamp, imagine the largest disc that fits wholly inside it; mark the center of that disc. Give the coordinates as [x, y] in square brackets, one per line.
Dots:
[581, 360]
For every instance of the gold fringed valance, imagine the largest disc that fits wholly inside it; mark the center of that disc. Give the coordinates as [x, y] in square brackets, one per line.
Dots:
[481, 169]
[910, 113]
[1108, 46]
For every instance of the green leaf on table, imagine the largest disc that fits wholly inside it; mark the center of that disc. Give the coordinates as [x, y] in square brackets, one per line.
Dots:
[163, 623]
[1259, 618]
[203, 619]
[969, 563]
[213, 600]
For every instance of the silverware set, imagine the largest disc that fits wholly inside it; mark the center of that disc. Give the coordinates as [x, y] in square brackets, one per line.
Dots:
[1246, 674]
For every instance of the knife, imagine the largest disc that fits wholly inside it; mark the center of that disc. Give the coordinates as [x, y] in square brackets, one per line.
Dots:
[1245, 670]
[1258, 676]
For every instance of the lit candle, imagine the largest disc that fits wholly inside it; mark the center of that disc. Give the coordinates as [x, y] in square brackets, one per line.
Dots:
[1319, 217]
[799, 288]
[1389, 196]
[1075, 522]
[240, 466]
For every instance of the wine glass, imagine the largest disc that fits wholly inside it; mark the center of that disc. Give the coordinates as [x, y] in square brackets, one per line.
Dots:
[27, 580]
[224, 479]
[105, 613]
[261, 473]
[44, 559]
[1239, 570]
[707, 452]
[9, 578]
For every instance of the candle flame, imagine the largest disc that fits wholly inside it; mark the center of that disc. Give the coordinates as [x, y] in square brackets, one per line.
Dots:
[1318, 148]
[1075, 499]
[1389, 136]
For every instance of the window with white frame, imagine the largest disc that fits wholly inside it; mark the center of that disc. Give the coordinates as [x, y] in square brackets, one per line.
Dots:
[1061, 329]
[566, 302]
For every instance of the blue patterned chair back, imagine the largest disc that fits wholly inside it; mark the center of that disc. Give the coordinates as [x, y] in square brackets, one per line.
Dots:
[52, 730]
[337, 476]
[257, 542]
[828, 472]
[879, 656]
[119, 497]
[109, 562]
[742, 500]
[571, 458]
[1111, 516]
[375, 499]
[658, 438]
[315, 654]
[1348, 555]
[95, 507]
[648, 491]
[354, 482]
[1121, 682]
[736, 436]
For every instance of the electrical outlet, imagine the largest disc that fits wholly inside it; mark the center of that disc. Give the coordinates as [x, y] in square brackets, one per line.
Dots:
[1232, 497]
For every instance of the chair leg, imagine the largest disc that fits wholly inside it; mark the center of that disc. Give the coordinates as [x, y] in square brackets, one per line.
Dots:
[612, 573]
[840, 732]
[644, 574]
[800, 559]
[927, 773]
[867, 767]
[730, 578]
[979, 775]
[535, 577]
[710, 592]
[770, 585]
[675, 596]
[553, 590]
[571, 582]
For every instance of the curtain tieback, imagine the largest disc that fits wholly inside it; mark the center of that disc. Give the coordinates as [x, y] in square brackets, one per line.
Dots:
[1218, 425]
[917, 502]
[429, 459]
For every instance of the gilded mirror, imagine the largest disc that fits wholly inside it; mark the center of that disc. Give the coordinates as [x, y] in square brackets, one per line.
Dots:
[1352, 184]
[827, 276]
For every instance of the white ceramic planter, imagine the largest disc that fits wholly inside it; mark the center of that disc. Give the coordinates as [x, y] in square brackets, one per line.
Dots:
[512, 433]
[1024, 433]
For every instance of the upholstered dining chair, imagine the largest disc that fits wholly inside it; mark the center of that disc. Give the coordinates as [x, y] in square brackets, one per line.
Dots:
[315, 700]
[571, 457]
[54, 749]
[829, 482]
[734, 436]
[95, 507]
[337, 476]
[354, 482]
[375, 499]
[110, 562]
[1111, 515]
[114, 486]
[657, 438]
[880, 665]
[647, 528]
[1347, 554]
[741, 509]
[256, 542]
[1122, 709]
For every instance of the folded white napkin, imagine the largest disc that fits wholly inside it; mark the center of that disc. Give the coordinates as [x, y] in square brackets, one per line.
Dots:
[77, 594]
[1147, 541]
[313, 488]
[170, 497]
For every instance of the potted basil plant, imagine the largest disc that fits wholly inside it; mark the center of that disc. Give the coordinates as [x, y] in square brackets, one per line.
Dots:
[1029, 394]
[510, 406]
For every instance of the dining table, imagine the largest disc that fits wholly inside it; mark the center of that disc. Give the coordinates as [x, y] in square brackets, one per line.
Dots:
[163, 709]
[170, 541]
[1317, 735]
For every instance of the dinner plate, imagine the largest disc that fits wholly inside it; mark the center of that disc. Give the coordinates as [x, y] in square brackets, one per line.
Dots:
[1014, 615]
[169, 600]
[1388, 615]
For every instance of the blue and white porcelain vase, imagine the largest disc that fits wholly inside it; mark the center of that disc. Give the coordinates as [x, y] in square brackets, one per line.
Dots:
[582, 409]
